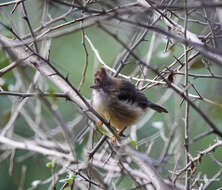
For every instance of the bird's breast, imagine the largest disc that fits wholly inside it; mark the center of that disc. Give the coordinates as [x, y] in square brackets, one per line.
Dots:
[99, 101]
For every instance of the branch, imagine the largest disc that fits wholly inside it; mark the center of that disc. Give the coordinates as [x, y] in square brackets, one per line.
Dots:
[170, 85]
[27, 145]
[148, 169]
[46, 69]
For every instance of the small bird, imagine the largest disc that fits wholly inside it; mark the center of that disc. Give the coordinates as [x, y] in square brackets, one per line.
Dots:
[119, 101]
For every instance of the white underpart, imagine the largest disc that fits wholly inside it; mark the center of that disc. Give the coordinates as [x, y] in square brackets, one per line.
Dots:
[99, 100]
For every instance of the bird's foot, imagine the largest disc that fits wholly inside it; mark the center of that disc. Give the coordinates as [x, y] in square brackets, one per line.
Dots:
[99, 122]
[120, 133]
[114, 139]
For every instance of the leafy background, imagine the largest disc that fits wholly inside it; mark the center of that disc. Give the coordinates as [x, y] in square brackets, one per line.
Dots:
[67, 54]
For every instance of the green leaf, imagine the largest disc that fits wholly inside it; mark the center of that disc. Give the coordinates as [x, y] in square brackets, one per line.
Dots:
[68, 180]
[133, 143]
[50, 164]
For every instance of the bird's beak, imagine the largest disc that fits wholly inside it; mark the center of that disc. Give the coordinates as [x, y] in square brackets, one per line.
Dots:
[95, 86]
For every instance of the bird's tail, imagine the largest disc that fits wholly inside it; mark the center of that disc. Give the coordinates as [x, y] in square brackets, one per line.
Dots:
[158, 108]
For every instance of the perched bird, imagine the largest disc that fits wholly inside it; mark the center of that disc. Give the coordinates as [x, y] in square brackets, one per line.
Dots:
[118, 101]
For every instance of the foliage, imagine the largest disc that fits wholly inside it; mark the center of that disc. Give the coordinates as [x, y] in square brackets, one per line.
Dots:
[50, 50]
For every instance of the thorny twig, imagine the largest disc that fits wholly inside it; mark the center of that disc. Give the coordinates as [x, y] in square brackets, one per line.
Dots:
[104, 162]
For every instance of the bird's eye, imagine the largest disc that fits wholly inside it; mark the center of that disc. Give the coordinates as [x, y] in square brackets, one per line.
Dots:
[97, 80]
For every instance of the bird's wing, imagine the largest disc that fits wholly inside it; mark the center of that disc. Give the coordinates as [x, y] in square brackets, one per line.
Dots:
[128, 92]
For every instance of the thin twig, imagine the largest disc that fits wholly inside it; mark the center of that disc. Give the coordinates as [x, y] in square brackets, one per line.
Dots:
[201, 113]
[86, 60]
[187, 109]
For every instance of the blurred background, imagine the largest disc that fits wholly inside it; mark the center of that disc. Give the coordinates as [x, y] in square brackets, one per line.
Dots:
[67, 54]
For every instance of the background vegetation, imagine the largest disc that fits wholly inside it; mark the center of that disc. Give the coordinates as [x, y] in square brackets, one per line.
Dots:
[50, 51]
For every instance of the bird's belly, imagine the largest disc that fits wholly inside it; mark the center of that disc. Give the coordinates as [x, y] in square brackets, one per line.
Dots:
[99, 103]
[119, 114]
[121, 123]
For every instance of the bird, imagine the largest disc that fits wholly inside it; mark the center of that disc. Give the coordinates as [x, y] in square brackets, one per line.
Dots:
[119, 102]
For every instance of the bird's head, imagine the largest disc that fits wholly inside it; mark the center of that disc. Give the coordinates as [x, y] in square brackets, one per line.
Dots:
[102, 81]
